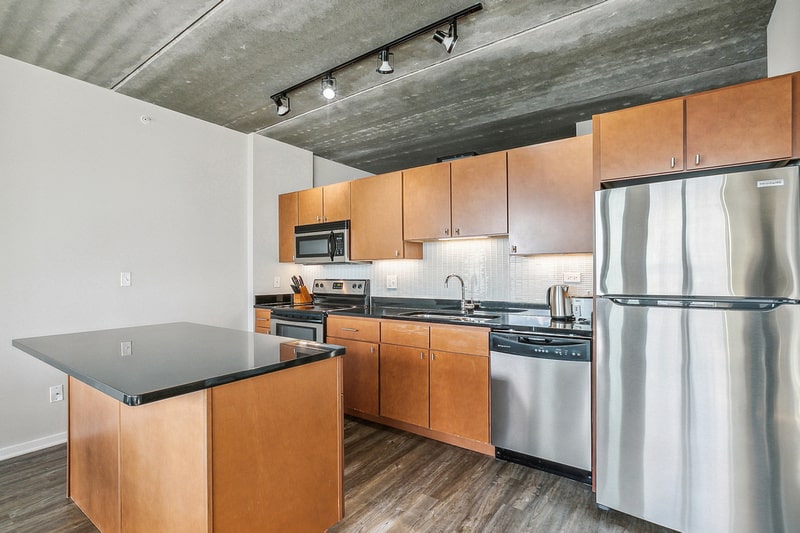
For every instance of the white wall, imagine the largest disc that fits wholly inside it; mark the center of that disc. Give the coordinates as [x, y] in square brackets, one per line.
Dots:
[87, 191]
[783, 38]
[276, 168]
[327, 172]
[489, 272]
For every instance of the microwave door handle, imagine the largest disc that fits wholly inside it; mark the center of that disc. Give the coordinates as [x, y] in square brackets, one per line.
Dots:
[331, 247]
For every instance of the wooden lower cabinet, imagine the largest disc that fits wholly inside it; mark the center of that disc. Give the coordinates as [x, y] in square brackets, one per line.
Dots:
[459, 394]
[360, 375]
[404, 384]
[262, 322]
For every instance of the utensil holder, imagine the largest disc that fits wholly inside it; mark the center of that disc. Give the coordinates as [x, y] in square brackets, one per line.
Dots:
[304, 297]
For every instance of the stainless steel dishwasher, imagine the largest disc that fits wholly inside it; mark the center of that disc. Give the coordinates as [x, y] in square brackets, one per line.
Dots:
[541, 402]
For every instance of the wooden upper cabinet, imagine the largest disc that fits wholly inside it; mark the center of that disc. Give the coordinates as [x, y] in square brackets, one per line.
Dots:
[479, 195]
[741, 124]
[324, 204]
[376, 219]
[336, 201]
[640, 141]
[426, 202]
[309, 206]
[287, 220]
[796, 104]
[550, 197]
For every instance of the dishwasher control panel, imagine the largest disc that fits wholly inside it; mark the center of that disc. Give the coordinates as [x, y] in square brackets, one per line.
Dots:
[541, 346]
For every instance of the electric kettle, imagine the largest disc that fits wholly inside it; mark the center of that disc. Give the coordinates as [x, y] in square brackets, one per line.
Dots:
[557, 302]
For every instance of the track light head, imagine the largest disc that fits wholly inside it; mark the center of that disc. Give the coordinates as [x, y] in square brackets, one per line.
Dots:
[448, 40]
[329, 86]
[385, 62]
[282, 104]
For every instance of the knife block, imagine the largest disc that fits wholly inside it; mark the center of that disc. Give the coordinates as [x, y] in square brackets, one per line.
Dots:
[303, 297]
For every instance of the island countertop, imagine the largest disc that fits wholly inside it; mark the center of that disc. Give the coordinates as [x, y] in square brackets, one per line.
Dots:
[143, 364]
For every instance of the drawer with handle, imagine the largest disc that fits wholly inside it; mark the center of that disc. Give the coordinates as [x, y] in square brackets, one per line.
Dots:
[361, 329]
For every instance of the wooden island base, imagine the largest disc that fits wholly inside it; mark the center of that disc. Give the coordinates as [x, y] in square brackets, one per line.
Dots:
[259, 454]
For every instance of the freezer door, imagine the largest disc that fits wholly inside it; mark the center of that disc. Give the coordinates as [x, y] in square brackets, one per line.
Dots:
[698, 416]
[729, 235]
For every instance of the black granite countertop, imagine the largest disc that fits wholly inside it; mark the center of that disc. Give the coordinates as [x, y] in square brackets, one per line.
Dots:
[168, 360]
[500, 316]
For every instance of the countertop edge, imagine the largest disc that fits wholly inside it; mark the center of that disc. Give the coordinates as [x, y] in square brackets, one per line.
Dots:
[333, 350]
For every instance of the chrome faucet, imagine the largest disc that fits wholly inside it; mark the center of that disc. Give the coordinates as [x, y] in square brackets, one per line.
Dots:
[466, 306]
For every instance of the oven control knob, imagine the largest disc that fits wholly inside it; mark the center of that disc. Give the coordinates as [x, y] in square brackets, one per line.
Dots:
[354, 285]
[360, 285]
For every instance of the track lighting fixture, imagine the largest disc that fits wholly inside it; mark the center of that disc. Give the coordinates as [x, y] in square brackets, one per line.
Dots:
[448, 40]
[385, 62]
[385, 66]
[282, 104]
[329, 86]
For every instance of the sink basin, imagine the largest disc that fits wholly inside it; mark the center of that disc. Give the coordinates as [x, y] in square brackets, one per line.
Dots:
[456, 316]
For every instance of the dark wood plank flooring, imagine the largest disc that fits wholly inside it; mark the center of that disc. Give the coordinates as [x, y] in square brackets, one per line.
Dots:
[394, 481]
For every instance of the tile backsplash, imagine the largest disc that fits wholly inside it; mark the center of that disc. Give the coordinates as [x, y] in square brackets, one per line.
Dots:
[489, 272]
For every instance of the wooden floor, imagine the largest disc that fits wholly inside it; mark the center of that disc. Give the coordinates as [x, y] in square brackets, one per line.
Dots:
[394, 481]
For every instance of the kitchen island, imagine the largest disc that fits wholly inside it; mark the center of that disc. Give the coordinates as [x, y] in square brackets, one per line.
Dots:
[186, 427]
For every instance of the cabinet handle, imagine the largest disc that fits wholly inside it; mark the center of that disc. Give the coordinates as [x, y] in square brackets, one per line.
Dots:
[447, 231]
[421, 356]
[261, 319]
[371, 349]
[433, 356]
[458, 231]
[349, 329]
[514, 249]
[317, 218]
[697, 159]
[324, 218]
[672, 162]
[396, 253]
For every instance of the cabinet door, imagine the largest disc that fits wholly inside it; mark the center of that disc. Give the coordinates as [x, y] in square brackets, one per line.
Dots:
[479, 195]
[550, 197]
[426, 202]
[287, 220]
[459, 395]
[404, 384]
[336, 201]
[640, 141]
[360, 375]
[740, 124]
[796, 104]
[310, 206]
[376, 219]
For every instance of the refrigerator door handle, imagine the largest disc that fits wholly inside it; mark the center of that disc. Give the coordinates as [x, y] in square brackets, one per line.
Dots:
[695, 303]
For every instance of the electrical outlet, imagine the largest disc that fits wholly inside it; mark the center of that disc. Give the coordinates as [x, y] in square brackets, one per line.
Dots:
[56, 393]
[572, 277]
[391, 281]
[126, 348]
[276, 282]
[124, 279]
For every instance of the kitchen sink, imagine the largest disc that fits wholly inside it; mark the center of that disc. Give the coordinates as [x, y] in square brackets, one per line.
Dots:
[456, 316]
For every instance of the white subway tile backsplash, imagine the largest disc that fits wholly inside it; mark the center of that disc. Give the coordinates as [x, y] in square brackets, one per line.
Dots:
[489, 272]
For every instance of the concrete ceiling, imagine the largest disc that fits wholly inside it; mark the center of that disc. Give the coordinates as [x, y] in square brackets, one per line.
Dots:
[522, 72]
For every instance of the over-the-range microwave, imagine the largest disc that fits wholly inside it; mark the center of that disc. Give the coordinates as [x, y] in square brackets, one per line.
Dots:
[327, 242]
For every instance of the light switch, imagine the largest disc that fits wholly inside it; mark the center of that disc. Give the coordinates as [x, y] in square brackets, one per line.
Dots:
[391, 281]
[572, 277]
[124, 279]
[276, 282]
[126, 348]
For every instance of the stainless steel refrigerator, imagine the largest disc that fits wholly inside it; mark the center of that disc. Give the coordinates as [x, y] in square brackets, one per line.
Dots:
[698, 351]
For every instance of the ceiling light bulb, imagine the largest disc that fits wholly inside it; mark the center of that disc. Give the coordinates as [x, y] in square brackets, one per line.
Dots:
[385, 62]
[329, 87]
[282, 104]
[448, 40]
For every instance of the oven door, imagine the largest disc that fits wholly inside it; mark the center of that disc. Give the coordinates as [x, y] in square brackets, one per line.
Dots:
[297, 329]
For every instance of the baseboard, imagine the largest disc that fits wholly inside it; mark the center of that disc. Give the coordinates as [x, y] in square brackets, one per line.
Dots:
[32, 445]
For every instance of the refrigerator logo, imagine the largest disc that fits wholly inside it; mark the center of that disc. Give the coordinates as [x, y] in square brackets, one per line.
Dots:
[769, 183]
